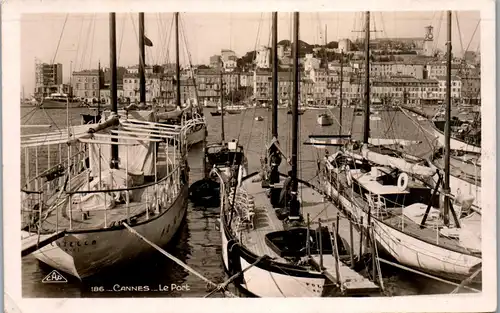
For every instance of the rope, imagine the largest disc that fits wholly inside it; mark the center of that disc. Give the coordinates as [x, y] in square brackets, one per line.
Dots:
[60, 37]
[121, 40]
[459, 34]
[440, 22]
[466, 281]
[186, 49]
[78, 42]
[232, 278]
[92, 42]
[176, 260]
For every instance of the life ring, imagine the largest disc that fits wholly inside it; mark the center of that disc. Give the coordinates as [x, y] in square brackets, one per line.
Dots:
[348, 175]
[403, 181]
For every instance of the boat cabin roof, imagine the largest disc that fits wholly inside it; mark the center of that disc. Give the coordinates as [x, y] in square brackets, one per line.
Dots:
[369, 182]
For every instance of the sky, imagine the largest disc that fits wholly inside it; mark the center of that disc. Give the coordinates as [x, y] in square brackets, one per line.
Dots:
[81, 41]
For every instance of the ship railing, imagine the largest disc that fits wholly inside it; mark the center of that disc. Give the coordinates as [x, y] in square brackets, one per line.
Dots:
[193, 123]
[45, 189]
[127, 203]
[245, 207]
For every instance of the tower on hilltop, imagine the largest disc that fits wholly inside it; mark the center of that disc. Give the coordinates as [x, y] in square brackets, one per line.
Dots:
[428, 41]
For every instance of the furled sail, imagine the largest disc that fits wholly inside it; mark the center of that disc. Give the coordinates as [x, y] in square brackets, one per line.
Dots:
[388, 141]
[394, 162]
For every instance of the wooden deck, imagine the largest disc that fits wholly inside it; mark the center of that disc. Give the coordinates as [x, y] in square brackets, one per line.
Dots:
[58, 219]
[266, 221]
[350, 280]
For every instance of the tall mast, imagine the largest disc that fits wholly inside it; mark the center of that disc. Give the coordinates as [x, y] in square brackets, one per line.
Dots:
[113, 87]
[447, 129]
[99, 87]
[142, 61]
[294, 207]
[341, 85]
[326, 35]
[275, 75]
[366, 129]
[221, 107]
[70, 79]
[177, 65]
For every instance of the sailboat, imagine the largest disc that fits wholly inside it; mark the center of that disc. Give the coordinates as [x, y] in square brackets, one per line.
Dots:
[126, 171]
[465, 160]
[266, 242]
[190, 115]
[397, 196]
[228, 158]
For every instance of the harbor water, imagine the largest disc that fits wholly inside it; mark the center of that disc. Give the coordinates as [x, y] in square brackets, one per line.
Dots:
[198, 243]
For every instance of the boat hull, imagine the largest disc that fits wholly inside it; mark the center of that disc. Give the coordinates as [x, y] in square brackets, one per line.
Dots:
[409, 250]
[85, 253]
[196, 136]
[267, 278]
[455, 144]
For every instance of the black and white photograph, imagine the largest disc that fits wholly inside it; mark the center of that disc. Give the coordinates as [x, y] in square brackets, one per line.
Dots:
[239, 153]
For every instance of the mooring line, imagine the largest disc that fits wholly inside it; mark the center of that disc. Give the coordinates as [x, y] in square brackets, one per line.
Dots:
[179, 262]
[466, 281]
[227, 282]
[427, 275]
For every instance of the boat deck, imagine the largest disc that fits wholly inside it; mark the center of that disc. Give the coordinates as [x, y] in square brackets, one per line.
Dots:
[58, 219]
[266, 221]
[397, 220]
[350, 280]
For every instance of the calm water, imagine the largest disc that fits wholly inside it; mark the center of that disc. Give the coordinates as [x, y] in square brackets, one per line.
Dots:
[197, 242]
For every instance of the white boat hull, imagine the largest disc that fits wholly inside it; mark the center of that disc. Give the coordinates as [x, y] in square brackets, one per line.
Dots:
[455, 144]
[264, 283]
[267, 284]
[83, 254]
[408, 250]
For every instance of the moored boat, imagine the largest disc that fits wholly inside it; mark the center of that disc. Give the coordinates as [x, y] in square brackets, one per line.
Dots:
[228, 158]
[407, 203]
[121, 172]
[267, 239]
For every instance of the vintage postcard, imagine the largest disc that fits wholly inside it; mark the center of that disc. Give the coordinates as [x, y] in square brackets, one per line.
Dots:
[154, 152]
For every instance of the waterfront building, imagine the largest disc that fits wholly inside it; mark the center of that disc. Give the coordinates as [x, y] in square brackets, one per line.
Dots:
[87, 83]
[48, 77]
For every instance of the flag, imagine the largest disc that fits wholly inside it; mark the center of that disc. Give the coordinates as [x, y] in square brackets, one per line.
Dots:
[147, 41]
